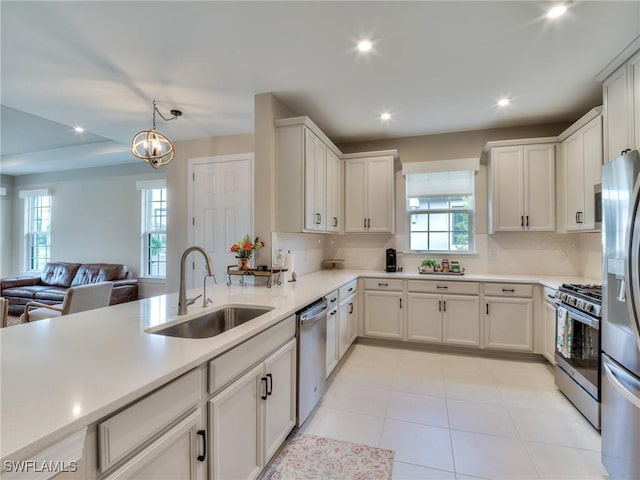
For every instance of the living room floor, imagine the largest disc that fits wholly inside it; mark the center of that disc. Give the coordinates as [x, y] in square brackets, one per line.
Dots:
[458, 417]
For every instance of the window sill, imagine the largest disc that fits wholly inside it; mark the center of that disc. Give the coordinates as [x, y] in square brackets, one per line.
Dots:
[413, 253]
[158, 280]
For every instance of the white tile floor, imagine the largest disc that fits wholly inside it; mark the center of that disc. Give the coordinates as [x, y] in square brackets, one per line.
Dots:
[458, 417]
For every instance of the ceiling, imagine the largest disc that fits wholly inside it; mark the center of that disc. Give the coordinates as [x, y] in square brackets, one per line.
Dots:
[436, 66]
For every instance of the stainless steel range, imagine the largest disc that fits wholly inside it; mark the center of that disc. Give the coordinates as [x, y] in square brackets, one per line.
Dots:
[577, 371]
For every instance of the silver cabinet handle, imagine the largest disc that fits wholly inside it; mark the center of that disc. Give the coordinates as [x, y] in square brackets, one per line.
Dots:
[350, 308]
[368, 223]
[335, 221]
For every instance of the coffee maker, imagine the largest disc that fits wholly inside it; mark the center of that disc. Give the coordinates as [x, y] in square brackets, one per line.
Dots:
[392, 260]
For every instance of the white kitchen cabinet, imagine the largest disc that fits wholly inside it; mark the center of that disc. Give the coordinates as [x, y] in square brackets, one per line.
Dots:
[621, 99]
[250, 418]
[522, 188]
[177, 454]
[304, 159]
[332, 353]
[347, 324]
[383, 314]
[334, 188]
[508, 323]
[582, 161]
[451, 319]
[315, 164]
[369, 193]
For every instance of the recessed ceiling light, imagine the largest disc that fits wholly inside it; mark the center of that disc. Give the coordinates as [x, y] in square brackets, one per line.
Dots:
[503, 102]
[385, 116]
[78, 129]
[364, 45]
[557, 11]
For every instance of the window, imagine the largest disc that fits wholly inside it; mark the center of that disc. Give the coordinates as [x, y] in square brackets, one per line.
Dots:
[37, 228]
[154, 232]
[440, 211]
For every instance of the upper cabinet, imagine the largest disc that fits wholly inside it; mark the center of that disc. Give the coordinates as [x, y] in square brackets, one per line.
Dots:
[308, 178]
[621, 97]
[522, 186]
[369, 192]
[581, 158]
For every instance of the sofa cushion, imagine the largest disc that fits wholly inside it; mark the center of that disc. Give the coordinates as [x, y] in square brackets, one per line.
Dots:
[28, 291]
[59, 274]
[51, 293]
[99, 272]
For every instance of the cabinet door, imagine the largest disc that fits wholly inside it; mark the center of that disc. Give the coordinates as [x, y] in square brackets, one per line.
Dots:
[616, 114]
[235, 417]
[572, 154]
[549, 332]
[280, 404]
[172, 456]
[355, 195]
[540, 188]
[424, 317]
[592, 156]
[347, 325]
[508, 323]
[461, 320]
[314, 175]
[334, 192]
[383, 314]
[332, 356]
[507, 189]
[634, 72]
[380, 197]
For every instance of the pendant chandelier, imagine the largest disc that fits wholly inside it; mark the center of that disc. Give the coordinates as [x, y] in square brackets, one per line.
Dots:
[151, 146]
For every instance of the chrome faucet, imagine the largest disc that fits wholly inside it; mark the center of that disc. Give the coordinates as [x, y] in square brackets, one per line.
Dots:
[183, 301]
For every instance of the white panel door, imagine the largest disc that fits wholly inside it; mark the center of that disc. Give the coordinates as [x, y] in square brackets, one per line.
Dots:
[424, 317]
[332, 341]
[315, 152]
[549, 332]
[507, 201]
[355, 195]
[334, 192]
[592, 153]
[236, 431]
[574, 180]
[616, 114]
[508, 323]
[461, 320]
[222, 210]
[540, 188]
[383, 314]
[380, 195]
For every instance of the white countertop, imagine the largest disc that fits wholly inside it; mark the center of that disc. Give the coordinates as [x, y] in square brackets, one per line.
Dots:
[58, 376]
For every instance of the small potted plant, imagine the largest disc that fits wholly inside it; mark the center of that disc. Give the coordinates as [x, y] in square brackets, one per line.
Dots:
[244, 249]
[428, 265]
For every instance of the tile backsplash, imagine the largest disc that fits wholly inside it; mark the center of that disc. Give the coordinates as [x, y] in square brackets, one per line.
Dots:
[510, 253]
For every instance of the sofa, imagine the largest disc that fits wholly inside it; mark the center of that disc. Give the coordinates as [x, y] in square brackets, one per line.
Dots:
[51, 286]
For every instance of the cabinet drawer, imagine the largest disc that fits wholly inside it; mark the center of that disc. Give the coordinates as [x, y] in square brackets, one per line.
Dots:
[382, 284]
[429, 286]
[508, 290]
[127, 430]
[230, 365]
[347, 290]
[332, 299]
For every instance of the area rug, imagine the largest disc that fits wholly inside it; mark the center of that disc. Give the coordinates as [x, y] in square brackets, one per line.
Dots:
[307, 457]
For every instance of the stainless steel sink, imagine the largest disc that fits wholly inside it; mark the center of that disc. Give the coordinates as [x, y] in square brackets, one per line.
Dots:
[213, 323]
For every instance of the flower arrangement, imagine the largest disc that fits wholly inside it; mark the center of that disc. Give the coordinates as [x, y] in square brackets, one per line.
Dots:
[245, 248]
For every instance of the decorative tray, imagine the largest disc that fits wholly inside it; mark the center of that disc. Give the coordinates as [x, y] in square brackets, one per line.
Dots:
[456, 274]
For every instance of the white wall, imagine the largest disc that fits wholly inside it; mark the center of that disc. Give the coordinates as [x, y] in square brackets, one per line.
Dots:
[6, 229]
[96, 214]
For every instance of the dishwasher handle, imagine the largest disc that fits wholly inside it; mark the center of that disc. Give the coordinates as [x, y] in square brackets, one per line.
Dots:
[314, 313]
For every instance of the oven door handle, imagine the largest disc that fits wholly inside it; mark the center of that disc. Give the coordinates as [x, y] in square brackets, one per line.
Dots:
[624, 384]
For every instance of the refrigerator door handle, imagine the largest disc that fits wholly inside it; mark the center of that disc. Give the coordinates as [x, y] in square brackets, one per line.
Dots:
[631, 280]
[631, 391]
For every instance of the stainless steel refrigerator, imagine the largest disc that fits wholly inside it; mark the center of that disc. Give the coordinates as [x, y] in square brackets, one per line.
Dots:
[621, 317]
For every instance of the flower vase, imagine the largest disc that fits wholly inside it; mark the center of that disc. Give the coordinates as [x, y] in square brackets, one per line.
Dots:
[244, 264]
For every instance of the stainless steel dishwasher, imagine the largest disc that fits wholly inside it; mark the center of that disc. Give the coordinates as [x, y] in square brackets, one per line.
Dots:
[312, 339]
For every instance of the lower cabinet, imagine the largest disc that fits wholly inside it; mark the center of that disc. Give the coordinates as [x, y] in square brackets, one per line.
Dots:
[383, 314]
[347, 324]
[250, 418]
[177, 454]
[332, 354]
[508, 323]
[549, 342]
[453, 319]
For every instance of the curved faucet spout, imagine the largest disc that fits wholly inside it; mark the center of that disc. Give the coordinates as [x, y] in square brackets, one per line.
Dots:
[183, 301]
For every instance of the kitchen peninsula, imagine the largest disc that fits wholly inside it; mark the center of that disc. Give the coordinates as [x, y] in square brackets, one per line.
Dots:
[63, 375]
